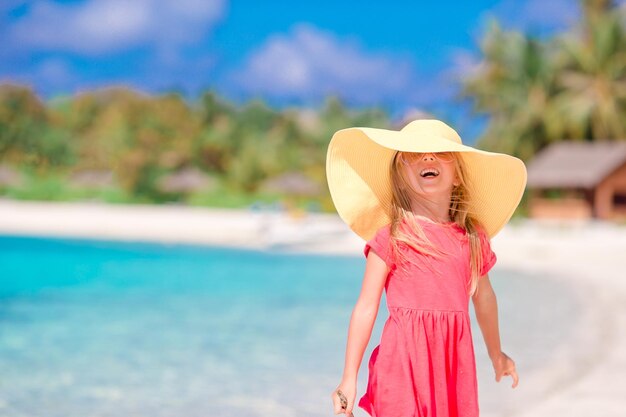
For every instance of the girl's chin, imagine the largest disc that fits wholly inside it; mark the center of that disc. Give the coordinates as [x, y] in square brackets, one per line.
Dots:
[431, 189]
[432, 184]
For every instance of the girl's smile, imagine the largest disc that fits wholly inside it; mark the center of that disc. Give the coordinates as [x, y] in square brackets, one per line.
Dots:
[430, 172]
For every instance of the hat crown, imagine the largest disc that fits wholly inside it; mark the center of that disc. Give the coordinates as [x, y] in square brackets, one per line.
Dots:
[432, 127]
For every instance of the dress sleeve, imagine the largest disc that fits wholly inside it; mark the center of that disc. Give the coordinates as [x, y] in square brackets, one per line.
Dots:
[380, 244]
[488, 255]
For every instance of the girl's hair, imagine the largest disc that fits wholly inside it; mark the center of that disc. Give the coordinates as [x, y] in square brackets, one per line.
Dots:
[401, 211]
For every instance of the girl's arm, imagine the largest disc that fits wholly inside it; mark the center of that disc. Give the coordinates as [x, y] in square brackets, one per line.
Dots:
[360, 330]
[486, 308]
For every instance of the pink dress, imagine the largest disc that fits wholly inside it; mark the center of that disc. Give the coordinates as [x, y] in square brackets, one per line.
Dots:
[424, 364]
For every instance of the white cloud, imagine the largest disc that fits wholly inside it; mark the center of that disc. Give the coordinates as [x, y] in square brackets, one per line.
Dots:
[463, 63]
[310, 63]
[537, 15]
[97, 27]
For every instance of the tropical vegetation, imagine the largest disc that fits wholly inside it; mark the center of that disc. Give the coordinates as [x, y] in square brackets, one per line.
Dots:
[568, 87]
[120, 145]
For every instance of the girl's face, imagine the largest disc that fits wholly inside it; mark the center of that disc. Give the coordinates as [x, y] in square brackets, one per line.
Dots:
[432, 175]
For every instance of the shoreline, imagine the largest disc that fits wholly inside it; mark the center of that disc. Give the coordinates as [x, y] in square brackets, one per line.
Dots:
[252, 229]
[586, 255]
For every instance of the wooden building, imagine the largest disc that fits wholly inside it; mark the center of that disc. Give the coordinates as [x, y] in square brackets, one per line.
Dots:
[578, 180]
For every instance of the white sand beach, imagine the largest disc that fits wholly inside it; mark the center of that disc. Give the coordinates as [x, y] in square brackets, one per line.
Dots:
[587, 378]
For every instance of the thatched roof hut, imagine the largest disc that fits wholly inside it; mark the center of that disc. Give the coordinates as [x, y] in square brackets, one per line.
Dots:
[184, 181]
[92, 178]
[294, 183]
[10, 176]
[575, 164]
[590, 175]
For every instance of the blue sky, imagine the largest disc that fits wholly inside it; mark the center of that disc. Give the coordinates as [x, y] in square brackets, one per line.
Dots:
[396, 54]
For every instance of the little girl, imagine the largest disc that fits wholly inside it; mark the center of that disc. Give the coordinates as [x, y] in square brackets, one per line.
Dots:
[427, 206]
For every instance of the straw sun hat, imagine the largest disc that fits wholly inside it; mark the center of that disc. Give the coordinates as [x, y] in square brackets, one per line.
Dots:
[357, 171]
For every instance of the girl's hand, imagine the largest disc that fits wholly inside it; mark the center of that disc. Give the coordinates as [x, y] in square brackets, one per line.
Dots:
[503, 365]
[348, 389]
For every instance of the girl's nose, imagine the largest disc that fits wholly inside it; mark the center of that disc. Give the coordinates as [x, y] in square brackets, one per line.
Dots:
[428, 156]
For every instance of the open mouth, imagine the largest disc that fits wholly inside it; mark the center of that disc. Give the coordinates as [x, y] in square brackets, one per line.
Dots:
[429, 173]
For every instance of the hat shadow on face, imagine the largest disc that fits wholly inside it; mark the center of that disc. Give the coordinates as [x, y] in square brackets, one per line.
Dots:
[406, 187]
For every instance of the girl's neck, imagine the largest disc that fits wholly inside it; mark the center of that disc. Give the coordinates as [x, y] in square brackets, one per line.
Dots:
[436, 215]
[430, 219]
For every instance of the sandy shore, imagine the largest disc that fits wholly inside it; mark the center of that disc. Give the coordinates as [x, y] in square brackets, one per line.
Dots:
[589, 256]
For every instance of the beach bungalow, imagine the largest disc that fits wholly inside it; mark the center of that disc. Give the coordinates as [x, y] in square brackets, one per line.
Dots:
[578, 180]
[186, 180]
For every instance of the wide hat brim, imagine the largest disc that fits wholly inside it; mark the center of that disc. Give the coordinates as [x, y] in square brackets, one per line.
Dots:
[357, 171]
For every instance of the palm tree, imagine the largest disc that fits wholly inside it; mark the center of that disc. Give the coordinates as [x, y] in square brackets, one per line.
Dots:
[513, 84]
[537, 92]
[592, 75]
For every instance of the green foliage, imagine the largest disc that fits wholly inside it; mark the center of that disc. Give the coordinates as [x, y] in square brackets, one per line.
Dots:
[49, 188]
[142, 139]
[56, 187]
[29, 134]
[536, 92]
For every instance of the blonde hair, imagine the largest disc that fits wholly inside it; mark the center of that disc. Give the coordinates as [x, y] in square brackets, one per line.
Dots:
[402, 211]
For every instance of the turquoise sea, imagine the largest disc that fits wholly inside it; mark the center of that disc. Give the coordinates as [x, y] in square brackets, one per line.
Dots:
[102, 328]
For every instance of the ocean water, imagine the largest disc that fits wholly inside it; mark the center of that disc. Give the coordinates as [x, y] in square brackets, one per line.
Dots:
[100, 328]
